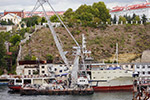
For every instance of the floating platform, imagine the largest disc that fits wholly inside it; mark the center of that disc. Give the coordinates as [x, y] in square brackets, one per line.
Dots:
[89, 91]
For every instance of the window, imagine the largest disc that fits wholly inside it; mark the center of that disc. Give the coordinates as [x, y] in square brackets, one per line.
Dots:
[55, 69]
[43, 72]
[132, 66]
[143, 67]
[93, 77]
[149, 66]
[60, 65]
[82, 80]
[148, 72]
[143, 73]
[43, 66]
[137, 67]
[60, 71]
[29, 72]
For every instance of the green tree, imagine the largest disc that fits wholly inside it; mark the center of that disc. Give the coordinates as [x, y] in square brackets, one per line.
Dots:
[15, 38]
[27, 57]
[3, 22]
[10, 22]
[123, 19]
[49, 57]
[43, 20]
[100, 11]
[54, 18]
[2, 52]
[137, 18]
[69, 14]
[114, 19]
[31, 21]
[144, 19]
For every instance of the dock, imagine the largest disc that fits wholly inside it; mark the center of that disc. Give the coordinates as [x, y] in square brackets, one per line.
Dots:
[141, 88]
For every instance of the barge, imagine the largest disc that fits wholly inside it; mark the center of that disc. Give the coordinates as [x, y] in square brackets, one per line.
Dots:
[27, 91]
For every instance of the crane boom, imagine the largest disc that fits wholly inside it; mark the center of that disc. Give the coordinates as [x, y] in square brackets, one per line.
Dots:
[59, 47]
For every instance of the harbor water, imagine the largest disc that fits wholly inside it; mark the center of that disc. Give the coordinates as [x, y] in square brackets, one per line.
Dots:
[120, 95]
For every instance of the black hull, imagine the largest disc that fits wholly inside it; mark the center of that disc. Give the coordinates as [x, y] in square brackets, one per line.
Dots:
[55, 92]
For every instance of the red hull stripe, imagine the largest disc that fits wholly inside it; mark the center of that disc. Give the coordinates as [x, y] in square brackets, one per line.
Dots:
[112, 88]
[15, 87]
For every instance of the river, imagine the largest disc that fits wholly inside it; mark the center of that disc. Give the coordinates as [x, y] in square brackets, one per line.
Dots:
[120, 95]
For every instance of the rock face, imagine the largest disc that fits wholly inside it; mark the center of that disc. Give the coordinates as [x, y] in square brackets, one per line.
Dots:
[146, 56]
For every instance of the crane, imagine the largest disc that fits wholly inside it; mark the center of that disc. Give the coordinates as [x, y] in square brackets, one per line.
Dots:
[74, 72]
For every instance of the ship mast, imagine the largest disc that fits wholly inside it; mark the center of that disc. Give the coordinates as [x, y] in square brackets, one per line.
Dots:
[74, 73]
[116, 54]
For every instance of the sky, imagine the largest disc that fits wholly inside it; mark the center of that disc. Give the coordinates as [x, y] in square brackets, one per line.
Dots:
[60, 5]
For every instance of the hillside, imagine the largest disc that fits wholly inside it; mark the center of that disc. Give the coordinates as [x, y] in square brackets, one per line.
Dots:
[132, 40]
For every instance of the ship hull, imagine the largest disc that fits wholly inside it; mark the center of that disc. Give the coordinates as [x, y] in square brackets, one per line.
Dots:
[15, 87]
[113, 88]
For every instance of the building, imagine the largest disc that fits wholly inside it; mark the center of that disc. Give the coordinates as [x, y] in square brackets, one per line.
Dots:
[12, 17]
[5, 28]
[142, 69]
[41, 68]
[28, 67]
[138, 9]
[18, 13]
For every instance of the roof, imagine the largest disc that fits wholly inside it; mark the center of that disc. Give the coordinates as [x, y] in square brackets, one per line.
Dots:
[41, 14]
[130, 7]
[13, 15]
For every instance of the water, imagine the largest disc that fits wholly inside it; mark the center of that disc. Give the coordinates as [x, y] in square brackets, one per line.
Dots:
[5, 95]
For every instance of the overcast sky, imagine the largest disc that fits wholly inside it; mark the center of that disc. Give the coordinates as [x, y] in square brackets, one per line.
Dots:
[60, 5]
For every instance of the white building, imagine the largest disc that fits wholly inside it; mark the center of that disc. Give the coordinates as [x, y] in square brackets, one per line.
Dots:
[5, 28]
[28, 68]
[13, 17]
[138, 9]
[142, 69]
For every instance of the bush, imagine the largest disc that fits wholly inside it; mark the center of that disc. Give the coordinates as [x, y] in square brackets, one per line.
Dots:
[27, 57]
[49, 57]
